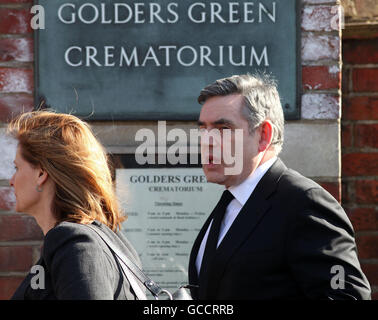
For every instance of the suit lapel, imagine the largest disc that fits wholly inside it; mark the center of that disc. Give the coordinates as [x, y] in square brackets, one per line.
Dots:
[193, 275]
[247, 220]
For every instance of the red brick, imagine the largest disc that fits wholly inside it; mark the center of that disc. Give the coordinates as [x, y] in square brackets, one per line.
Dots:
[317, 18]
[8, 286]
[367, 191]
[7, 199]
[346, 74]
[374, 294]
[371, 272]
[360, 164]
[365, 79]
[346, 135]
[360, 108]
[15, 258]
[16, 49]
[363, 219]
[319, 78]
[16, 80]
[366, 135]
[345, 191]
[334, 188]
[15, 1]
[15, 21]
[19, 227]
[360, 51]
[11, 105]
[367, 246]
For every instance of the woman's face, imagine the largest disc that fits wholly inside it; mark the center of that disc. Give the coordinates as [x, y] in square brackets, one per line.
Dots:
[25, 182]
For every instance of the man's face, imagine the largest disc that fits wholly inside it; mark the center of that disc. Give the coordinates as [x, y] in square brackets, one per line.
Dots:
[225, 112]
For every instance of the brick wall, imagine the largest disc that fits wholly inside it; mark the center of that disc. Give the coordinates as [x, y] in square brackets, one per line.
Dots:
[20, 237]
[321, 75]
[360, 148]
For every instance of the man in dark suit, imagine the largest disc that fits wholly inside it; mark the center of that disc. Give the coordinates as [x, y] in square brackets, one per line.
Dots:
[274, 234]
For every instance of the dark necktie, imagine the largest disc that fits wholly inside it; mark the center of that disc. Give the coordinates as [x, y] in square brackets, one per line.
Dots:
[212, 239]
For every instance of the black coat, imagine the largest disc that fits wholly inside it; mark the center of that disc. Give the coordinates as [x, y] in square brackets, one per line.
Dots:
[79, 265]
[284, 244]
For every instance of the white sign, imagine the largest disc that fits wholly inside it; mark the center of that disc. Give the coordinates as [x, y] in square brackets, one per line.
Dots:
[166, 209]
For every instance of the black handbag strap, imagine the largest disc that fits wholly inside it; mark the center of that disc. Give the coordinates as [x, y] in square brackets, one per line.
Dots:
[135, 270]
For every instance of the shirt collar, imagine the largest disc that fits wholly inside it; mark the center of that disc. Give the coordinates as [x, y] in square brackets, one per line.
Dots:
[243, 191]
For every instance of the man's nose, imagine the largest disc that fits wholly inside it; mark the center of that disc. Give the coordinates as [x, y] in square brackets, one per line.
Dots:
[211, 137]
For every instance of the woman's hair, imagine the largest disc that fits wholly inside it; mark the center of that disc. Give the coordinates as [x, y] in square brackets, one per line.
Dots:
[66, 148]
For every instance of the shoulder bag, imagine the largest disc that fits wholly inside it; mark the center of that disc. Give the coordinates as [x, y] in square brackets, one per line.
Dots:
[132, 272]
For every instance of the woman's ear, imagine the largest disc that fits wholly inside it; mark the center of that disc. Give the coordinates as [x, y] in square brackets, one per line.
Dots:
[266, 134]
[42, 176]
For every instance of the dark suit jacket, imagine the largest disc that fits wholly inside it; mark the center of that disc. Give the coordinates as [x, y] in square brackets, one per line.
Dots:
[79, 265]
[284, 244]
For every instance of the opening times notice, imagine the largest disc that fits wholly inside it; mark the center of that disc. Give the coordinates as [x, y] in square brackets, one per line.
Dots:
[166, 209]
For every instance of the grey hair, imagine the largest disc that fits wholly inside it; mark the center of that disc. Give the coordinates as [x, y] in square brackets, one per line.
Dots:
[262, 101]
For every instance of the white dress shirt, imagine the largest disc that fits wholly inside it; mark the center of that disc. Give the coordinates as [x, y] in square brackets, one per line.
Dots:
[241, 194]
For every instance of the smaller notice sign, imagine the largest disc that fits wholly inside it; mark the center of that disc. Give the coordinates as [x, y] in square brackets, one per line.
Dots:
[166, 209]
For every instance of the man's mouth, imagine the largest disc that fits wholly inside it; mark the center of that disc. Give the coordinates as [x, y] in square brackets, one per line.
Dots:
[211, 162]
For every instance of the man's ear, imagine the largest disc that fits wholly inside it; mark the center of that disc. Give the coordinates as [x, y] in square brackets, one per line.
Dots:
[266, 134]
